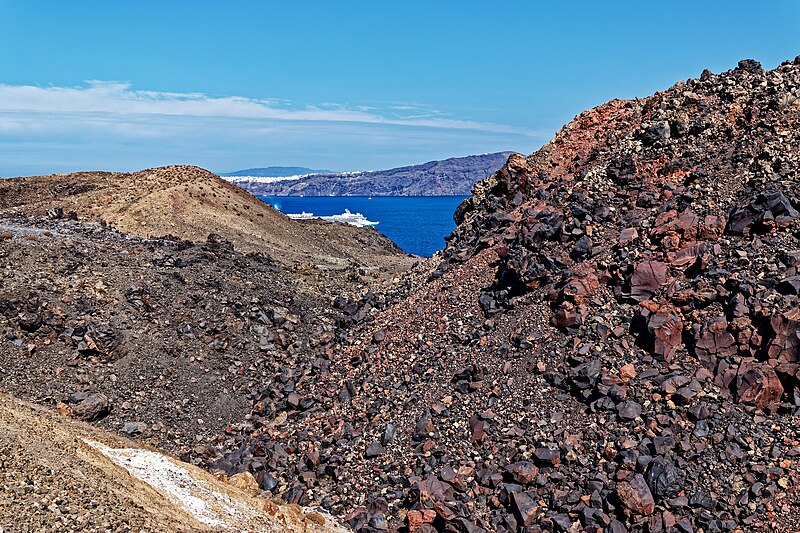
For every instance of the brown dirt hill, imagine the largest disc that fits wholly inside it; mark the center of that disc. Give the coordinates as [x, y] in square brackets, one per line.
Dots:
[610, 343]
[190, 203]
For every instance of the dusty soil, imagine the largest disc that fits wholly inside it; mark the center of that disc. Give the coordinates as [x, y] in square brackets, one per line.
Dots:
[54, 476]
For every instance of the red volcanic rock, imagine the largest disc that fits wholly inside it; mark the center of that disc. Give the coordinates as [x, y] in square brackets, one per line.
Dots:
[663, 328]
[715, 341]
[477, 429]
[627, 236]
[666, 328]
[713, 227]
[687, 224]
[635, 495]
[567, 318]
[647, 278]
[699, 253]
[580, 286]
[758, 383]
[523, 471]
[786, 344]
[416, 520]
[524, 507]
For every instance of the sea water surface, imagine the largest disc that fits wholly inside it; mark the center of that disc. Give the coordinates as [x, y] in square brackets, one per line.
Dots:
[418, 224]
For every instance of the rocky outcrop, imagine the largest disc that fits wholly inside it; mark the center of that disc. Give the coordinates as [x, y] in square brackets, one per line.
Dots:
[608, 343]
[449, 177]
[707, 169]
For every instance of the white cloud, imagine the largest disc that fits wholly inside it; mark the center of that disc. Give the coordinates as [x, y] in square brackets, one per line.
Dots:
[111, 126]
[115, 98]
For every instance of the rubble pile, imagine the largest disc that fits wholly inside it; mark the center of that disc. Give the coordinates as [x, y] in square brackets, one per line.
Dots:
[609, 343]
[160, 338]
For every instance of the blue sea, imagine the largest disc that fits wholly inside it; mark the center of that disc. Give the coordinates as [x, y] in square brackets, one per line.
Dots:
[418, 224]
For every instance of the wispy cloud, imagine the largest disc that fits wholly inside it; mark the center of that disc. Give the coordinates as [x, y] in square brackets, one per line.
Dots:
[118, 98]
[112, 126]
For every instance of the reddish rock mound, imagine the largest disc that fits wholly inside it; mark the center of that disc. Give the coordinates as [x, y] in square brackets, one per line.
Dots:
[610, 342]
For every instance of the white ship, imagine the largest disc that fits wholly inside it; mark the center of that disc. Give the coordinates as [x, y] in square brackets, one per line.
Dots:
[301, 216]
[354, 219]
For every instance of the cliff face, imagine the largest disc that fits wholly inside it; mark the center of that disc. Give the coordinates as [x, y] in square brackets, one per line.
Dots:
[450, 177]
[609, 343]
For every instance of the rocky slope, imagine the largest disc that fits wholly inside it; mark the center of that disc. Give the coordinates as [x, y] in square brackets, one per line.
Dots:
[190, 203]
[450, 177]
[610, 342]
[60, 475]
[159, 338]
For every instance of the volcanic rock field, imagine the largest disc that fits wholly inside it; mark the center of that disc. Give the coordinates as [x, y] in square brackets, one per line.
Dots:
[610, 341]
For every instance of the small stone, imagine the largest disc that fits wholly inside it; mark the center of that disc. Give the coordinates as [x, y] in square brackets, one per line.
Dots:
[629, 410]
[635, 495]
[424, 426]
[93, 407]
[477, 429]
[547, 457]
[627, 236]
[524, 508]
[627, 372]
[379, 336]
[374, 449]
[664, 479]
[523, 471]
[133, 428]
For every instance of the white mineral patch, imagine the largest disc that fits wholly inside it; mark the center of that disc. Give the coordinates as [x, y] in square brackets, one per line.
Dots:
[179, 485]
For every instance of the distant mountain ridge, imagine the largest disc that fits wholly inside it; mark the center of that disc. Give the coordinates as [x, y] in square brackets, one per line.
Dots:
[276, 172]
[449, 177]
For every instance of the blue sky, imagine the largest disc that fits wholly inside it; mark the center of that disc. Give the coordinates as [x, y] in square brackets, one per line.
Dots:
[342, 85]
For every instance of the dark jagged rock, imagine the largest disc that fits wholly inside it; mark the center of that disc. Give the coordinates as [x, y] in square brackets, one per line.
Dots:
[635, 496]
[664, 479]
[91, 407]
[767, 210]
